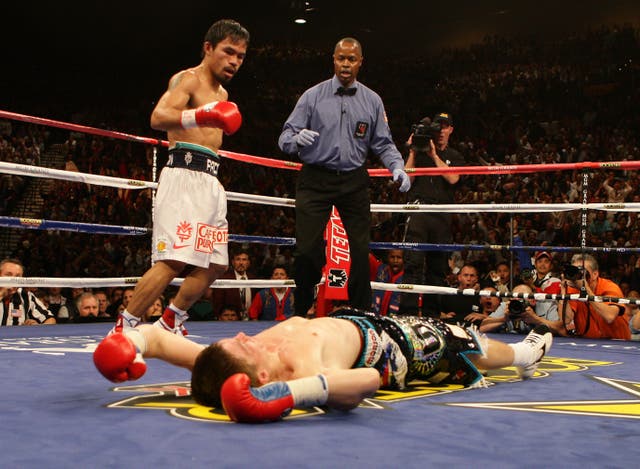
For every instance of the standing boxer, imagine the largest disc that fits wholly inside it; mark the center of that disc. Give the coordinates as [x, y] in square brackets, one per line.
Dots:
[190, 226]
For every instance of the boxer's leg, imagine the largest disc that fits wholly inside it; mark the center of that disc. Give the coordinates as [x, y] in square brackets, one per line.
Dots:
[191, 290]
[148, 288]
[524, 355]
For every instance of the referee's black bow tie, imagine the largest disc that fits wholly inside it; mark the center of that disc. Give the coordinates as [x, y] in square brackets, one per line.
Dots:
[342, 91]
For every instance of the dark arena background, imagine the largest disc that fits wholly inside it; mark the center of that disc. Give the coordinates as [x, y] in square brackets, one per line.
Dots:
[544, 97]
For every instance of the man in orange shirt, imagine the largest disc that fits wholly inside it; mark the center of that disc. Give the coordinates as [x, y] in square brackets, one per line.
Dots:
[593, 320]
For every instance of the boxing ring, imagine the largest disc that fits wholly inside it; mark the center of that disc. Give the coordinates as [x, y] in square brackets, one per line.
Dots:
[581, 408]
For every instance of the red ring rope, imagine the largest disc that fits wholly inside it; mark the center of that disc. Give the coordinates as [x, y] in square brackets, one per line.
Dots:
[282, 164]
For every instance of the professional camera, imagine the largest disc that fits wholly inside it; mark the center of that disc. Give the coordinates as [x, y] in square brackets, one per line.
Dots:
[527, 274]
[573, 273]
[517, 306]
[424, 131]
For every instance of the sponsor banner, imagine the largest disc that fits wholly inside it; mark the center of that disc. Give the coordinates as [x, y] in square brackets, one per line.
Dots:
[336, 270]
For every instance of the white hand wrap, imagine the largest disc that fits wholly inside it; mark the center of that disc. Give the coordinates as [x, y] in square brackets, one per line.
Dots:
[307, 392]
[188, 119]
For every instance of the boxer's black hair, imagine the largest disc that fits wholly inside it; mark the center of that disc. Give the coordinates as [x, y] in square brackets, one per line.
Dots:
[212, 368]
[222, 29]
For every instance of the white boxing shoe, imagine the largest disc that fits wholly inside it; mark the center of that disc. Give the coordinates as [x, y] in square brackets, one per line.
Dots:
[540, 339]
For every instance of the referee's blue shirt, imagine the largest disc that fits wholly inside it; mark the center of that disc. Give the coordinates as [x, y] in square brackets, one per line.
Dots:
[349, 126]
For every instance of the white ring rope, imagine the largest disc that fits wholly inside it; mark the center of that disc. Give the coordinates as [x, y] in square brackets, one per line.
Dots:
[472, 208]
[86, 282]
[260, 199]
[503, 208]
[110, 181]
[40, 172]
[430, 289]
[80, 282]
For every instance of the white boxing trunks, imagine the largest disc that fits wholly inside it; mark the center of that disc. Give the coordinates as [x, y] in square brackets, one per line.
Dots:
[190, 222]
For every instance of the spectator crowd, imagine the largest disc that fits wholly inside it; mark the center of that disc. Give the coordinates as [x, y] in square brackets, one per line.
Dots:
[514, 101]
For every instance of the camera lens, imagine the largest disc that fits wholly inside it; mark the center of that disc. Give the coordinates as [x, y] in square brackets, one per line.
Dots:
[572, 273]
[516, 307]
[527, 274]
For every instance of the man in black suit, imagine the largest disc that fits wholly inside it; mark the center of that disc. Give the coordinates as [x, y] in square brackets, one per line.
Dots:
[240, 298]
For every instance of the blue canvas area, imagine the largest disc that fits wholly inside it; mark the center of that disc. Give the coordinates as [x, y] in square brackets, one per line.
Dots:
[57, 411]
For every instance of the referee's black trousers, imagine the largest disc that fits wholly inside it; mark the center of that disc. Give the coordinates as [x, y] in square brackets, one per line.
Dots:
[317, 190]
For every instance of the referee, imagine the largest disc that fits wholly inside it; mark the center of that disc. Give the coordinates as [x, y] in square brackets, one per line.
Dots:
[333, 127]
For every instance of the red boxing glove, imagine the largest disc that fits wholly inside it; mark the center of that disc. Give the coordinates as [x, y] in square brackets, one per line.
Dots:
[221, 114]
[118, 358]
[268, 403]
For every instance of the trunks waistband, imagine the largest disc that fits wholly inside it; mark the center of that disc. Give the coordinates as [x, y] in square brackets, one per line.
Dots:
[194, 160]
[361, 326]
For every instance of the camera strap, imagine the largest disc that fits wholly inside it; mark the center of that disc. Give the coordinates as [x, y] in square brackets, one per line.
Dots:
[583, 292]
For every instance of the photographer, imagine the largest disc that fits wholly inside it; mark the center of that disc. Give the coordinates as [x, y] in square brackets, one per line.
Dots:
[594, 320]
[542, 280]
[429, 148]
[519, 316]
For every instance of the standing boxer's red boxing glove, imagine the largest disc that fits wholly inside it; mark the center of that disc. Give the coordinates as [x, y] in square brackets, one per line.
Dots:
[220, 114]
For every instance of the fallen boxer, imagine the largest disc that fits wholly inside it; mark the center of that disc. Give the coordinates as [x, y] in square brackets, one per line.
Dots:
[336, 361]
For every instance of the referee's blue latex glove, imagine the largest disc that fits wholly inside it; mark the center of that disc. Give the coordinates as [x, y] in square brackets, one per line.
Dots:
[305, 137]
[399, 175]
